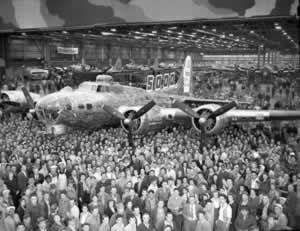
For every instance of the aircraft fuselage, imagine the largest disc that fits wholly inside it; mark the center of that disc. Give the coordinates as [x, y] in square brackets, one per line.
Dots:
[84, 108]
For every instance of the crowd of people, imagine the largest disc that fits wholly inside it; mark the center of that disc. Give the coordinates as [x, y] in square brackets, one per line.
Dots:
[172, 180]
[279, 91]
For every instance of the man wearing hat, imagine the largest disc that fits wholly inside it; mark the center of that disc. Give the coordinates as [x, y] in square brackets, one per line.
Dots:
[244, 221]
[9, 221]
[281, 221]
[42, 224]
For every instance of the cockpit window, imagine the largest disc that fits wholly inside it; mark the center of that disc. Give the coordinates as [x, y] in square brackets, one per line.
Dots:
[81, 106]
[69, 107]
[102, 88]
[89, 106]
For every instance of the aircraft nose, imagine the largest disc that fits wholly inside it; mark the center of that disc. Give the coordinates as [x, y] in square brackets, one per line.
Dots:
[50, 109]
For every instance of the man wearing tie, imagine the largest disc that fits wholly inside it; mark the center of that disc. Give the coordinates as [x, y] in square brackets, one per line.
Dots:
[190, 211]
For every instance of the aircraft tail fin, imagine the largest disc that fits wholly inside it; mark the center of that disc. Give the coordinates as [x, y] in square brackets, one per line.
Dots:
[116, 67]
[156, 63]
[185, 81]
[118, 64]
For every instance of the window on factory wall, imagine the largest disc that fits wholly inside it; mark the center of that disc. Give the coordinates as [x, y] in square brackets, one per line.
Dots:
[91, 53]
[24, 49]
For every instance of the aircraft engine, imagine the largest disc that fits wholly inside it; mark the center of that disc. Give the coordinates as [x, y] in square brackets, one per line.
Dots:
[151, 121]
[5, 97]
[212, 125]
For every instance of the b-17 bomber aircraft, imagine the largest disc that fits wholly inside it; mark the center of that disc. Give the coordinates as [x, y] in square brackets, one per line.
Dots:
[104, 103]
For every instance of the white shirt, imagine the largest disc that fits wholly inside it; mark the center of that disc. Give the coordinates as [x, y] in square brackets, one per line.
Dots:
[171, 174]
[74, 212]
[225, 213]
[138, 220]
[97, 175]
[130, 227]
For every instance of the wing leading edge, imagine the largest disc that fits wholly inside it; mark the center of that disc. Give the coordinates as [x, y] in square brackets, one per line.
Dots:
[261, 115]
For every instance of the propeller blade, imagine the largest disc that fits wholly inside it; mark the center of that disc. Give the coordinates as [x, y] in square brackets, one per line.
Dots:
[224, 109]
[10, 103]
[113, 112]
[106, 69]
[185, 108]
[28, 97]
[143, 110]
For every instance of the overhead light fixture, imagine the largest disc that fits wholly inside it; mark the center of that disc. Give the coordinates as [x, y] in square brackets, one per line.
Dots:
[65, 32]
[222, 36]
[169, 31]
[230, 35]
[214, 29]
[106, 33]
[278, 27]
[154, 32]
[138, 37]
[23, 34]
[173, 27]
[203, 27]
[252, 32]
[113, 29]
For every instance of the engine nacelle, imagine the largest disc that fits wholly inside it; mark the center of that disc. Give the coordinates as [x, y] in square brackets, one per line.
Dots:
[151, 121]
[213, 125]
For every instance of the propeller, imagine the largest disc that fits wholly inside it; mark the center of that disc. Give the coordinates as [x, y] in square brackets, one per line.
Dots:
[224, 109]
[31, 114]
[143, 110]
[205, 119]
[132, 116]
[28, 98]
[10, 103]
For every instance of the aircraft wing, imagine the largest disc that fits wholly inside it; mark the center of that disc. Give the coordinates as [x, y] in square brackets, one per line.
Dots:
[261, 115]
[191, 100]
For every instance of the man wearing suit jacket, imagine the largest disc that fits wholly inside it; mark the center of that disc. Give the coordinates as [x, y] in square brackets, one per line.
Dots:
[142, 183]
[190, 212]
[38, 177]
[22, 179]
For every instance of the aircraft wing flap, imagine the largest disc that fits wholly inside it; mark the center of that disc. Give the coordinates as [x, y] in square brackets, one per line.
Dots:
[261, 115]
[209, 101]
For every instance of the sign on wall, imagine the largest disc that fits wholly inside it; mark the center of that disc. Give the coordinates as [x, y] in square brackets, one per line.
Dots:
[68, 50]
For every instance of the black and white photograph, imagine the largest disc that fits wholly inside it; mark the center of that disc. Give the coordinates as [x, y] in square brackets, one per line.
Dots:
[149, 115]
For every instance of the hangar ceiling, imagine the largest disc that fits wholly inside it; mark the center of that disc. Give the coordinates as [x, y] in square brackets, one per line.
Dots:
[238, 35]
